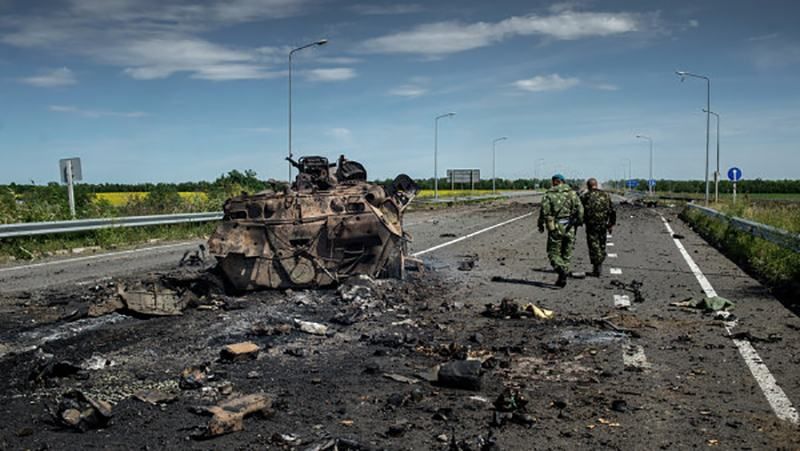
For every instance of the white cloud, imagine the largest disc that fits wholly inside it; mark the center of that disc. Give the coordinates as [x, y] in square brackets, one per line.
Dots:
[408, 91]
[763, 37]
[605, 86]
[340, 132]
[694, 23]
[386, 9]
[342, 135]
[163, 56]
[441, 38]
[337, 60]
[541, 83]
[69, 109]
[152, 39]
[331, 74]
[771, 54]
[53, 78]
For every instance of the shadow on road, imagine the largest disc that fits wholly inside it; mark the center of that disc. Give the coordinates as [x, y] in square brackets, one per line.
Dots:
[534, 283]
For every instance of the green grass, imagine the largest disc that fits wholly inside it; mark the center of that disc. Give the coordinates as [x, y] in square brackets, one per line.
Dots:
[784, 216]
[777, 267]
[741, 197]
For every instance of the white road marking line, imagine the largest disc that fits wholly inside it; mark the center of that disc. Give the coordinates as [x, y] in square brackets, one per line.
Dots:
[610, 244]
[622, 301]
[633, 357]
[616, 271]
[612, 255]
[448, 243]
[94, 257]
[609, 236]
[775, 395]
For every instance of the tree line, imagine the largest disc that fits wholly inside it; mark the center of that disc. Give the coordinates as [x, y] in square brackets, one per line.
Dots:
[31, 202]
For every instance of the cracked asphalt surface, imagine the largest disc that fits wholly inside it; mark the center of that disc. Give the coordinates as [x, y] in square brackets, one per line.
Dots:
[650, 376]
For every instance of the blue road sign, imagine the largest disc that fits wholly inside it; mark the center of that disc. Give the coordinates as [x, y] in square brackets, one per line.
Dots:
[632, 183]
[734, 174]
[651, 182]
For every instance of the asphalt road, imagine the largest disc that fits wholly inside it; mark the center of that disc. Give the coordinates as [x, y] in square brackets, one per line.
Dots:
[606, 372]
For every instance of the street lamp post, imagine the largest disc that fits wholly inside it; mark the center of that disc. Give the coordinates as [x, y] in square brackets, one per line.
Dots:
[683, 75]
[494, 154]
[291, 53]
[436, 153]
[629, 172]
[649, 188]
[536, 166]
[716, 173]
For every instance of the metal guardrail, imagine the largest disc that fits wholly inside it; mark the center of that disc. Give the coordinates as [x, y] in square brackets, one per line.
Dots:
[774, 235]
[83, 225]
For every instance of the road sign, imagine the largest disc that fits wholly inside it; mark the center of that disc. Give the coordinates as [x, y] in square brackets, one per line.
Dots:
[651, 183]
[734, 174]
[632, 183]
[70, 172]
[76, 169]
[464, 175]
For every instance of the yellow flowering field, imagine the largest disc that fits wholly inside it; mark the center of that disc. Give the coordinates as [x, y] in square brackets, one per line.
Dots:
[120, 199]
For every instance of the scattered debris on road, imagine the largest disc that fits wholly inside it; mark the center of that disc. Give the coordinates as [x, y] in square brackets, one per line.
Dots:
[82, 413]
[509, 308]
[706, 304]
[228, 416]
[240, 351]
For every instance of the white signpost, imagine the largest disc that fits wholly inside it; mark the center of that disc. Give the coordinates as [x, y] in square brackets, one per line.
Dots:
[70, 172]
[734, 175]
[462, 176]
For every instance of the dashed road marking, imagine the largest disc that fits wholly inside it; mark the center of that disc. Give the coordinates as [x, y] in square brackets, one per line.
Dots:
[95, 257]
[775, 395]
[448, 243]
[616, 271]
[610, 244]
[633, 357]
[622, 301]
[612, 255]
[609, 236]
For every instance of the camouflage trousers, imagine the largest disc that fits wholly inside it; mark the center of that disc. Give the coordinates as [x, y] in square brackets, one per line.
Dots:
[596, 241]
[560, 243]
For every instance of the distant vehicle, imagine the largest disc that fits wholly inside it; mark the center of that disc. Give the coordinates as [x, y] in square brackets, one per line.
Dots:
[324, 228]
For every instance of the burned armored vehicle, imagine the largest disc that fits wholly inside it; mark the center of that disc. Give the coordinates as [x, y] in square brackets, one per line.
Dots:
[330, 224]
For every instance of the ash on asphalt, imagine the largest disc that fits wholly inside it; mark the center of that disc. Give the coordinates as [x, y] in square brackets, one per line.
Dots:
[357, 367]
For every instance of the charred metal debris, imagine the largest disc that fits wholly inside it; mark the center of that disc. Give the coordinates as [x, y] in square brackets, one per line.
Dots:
[330, 224]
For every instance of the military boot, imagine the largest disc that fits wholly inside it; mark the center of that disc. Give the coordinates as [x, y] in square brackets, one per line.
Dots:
[561, 282]
[597, 271]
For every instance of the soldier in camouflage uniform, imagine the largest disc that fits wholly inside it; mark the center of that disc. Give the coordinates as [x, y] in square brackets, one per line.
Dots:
[600, 219]
[561, 214]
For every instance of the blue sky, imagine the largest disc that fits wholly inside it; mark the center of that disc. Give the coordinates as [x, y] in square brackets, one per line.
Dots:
[172, 90]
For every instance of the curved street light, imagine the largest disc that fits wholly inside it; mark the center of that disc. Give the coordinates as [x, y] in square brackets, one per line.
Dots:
[683, 75]
[436, 152]
[494, 153]
[716, 173]
[630, 175]
[291, 53]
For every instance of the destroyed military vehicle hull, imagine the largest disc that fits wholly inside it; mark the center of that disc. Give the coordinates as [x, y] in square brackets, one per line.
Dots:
[324, 228]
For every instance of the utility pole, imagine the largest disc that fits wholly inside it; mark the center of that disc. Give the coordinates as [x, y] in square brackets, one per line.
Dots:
[494, 154]
[649, 187]
[436, 152]
[683, 75]
[716, 173]
[291, 53]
